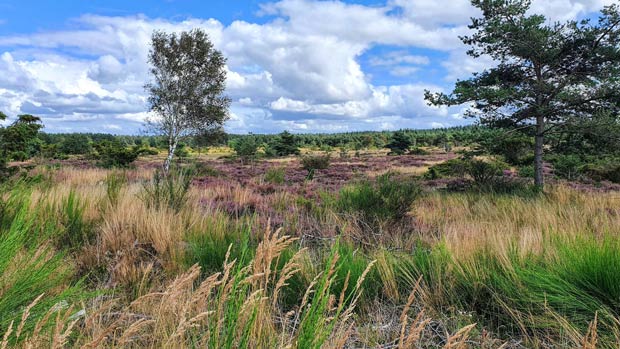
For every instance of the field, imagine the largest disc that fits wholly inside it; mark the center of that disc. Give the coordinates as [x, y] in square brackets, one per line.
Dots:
[253, 254]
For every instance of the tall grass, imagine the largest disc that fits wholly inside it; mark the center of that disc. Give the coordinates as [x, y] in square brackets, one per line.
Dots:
[169, 190]
[31, 269]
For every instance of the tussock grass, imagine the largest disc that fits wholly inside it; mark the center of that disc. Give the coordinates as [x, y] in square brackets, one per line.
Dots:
[450, 270]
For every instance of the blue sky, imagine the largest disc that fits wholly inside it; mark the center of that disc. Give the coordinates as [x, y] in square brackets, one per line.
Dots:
[300, 65]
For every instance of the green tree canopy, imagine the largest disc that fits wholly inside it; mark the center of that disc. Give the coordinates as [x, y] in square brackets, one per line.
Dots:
[19, 140]
[187, 89]
[547, 75]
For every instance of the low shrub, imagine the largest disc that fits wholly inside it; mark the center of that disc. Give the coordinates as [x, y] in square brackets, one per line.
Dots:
[275, 175]
[446, 169]
[311, 163]
[418, 151]
[603, 170]
[181, 152]
[387, 198]
[114, 154]
[201, 169]
[567, 166]
[149, 151]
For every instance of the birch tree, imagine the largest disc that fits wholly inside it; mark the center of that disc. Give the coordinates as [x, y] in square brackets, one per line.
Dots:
[186, 93]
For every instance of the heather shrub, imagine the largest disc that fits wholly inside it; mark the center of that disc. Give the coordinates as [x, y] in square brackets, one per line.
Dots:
[201, 169]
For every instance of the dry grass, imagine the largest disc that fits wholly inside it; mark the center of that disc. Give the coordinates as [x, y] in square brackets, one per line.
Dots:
[153, 299]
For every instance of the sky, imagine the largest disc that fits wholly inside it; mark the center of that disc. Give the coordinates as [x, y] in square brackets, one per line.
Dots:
[297, 65]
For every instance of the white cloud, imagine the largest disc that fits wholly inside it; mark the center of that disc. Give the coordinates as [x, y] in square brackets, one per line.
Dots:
[299, 70]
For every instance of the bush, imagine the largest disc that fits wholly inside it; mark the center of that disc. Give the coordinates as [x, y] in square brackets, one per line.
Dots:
[388, 198]
[446, 169]
[115, 154]
[567, 166]
[484, 173]
[526, 171]
[181, 151]
[418, 151]
[201, 169]
[603, 170]
[149, 151]
[400, 143]
[275, 175]
[284, 145]
[311, 163]
[19, 156]
[246, 147]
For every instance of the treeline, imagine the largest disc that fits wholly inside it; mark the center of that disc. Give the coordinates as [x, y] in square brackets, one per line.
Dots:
[588, 149]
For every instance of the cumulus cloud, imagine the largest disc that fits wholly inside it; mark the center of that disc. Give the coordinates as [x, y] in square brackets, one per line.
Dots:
[300, 69]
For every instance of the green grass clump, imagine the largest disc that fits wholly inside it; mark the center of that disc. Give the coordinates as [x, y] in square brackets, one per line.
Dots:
[275, 175]
[352, 263]
[209, 248]
[167, 191]
[29, 269]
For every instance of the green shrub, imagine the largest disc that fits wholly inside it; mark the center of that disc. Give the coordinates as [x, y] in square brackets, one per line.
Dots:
[400, 143]
[603, 170]
[181, 151]
[19, 156]
[149, 151]
[526, 171]
[246, 148]
[484, 173]
[115, 154]
[311, 163]
[388, 198]
[446, 169]
[418, 151]
[275, 175]
[567, 166]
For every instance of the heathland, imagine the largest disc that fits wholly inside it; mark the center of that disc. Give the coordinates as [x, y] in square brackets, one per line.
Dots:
[444, 243]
